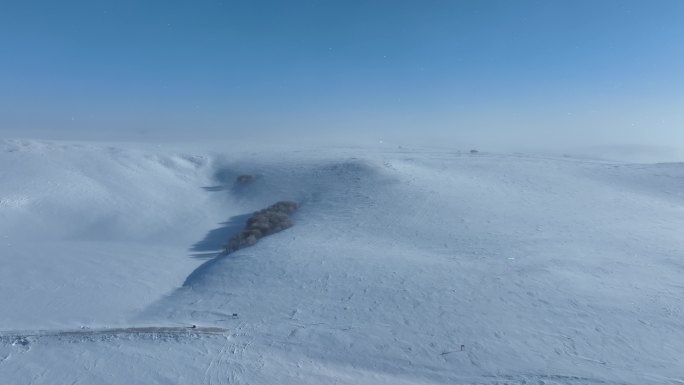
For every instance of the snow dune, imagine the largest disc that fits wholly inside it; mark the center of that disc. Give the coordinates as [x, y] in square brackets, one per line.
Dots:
[404, 266]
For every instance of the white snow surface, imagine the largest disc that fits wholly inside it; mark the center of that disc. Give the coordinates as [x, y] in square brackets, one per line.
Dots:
[405, 266]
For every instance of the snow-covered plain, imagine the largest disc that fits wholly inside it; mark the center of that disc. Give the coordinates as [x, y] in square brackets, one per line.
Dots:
[405, 266]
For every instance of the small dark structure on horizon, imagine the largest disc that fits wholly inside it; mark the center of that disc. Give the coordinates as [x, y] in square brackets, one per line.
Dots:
[264, 222]
[474, 151]
[246, 178]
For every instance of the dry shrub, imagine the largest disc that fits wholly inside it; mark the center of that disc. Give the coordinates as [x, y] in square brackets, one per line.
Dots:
[264, 222]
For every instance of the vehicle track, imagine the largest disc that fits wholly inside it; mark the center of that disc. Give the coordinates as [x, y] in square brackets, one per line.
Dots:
[26, 337]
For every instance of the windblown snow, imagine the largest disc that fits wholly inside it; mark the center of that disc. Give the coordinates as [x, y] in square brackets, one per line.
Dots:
[404, 266]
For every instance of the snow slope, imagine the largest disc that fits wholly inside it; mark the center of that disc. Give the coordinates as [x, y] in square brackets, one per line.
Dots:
[405, 266]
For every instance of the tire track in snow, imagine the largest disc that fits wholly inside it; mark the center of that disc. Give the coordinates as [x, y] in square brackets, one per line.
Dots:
[228, 364]
[214, 376]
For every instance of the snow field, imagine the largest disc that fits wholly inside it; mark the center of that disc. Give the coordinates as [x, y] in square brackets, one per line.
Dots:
[404, 266]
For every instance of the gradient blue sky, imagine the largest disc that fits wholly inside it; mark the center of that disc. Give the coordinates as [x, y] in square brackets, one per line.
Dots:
[580, 72]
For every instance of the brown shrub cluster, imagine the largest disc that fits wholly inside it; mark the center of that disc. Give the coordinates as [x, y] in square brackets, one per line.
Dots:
[264, 222]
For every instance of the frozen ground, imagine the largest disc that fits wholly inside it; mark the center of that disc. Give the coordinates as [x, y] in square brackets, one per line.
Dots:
[405, 266]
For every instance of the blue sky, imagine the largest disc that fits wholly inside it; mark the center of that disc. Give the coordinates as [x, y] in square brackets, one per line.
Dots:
[581, 72]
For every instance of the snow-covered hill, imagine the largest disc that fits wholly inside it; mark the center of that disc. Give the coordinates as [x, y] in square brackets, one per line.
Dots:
[404, 267]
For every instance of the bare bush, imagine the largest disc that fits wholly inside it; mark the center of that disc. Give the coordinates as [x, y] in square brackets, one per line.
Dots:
[264, 222]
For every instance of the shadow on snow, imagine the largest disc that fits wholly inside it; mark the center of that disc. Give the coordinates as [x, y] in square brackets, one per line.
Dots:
[213, 243]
